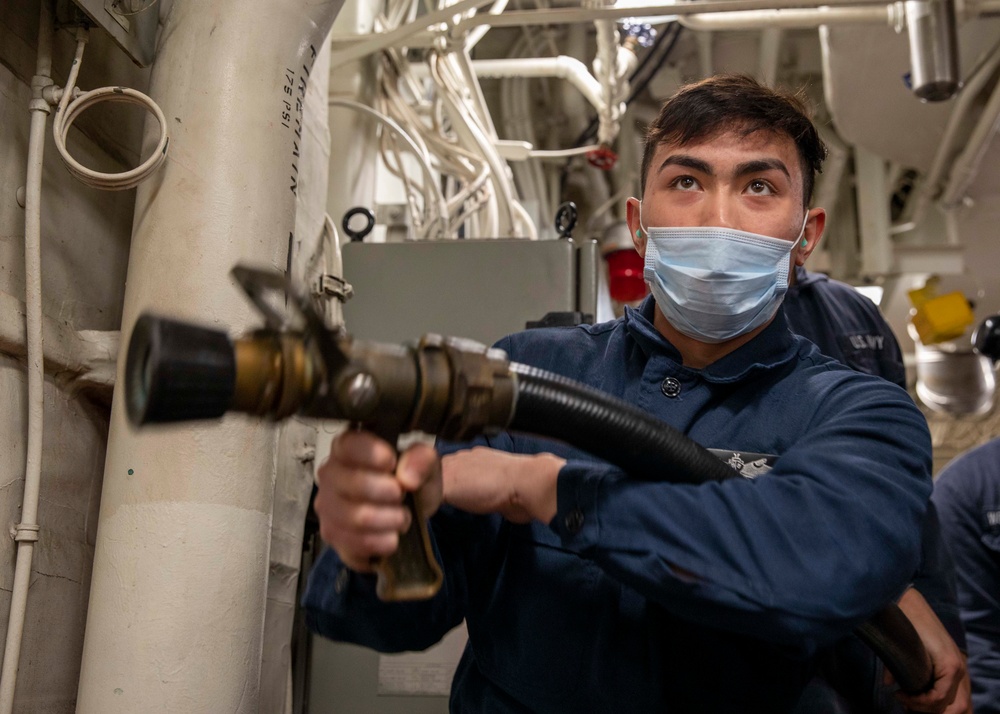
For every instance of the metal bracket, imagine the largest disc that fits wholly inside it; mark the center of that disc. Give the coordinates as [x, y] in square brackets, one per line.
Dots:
[332, 286]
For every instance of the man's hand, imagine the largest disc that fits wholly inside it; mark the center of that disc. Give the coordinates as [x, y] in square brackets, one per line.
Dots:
[520, 488]
[951, 693]
[360, 499]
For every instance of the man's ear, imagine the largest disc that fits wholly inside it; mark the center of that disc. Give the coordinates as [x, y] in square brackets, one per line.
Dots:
[815, 224]
[635, 230]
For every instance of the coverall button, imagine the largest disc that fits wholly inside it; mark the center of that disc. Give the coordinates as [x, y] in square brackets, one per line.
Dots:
[670, 387]
[574, 521]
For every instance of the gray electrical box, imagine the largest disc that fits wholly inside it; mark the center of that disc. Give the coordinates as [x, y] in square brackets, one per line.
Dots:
[477, 289]
[131, 24]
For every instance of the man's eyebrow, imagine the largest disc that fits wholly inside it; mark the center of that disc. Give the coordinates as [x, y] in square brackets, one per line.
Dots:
[688, 161]
[760, 165]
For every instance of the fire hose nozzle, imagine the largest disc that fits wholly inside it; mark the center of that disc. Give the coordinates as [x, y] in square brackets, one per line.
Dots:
[176, 371]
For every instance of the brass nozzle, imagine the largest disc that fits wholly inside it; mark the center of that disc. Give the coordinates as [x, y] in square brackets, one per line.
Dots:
[276, 374]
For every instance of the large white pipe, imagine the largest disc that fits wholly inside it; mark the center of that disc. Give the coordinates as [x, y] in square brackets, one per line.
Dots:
[26, 531]
[176, 614]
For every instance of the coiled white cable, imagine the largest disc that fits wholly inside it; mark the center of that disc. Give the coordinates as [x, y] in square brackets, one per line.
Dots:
[68, 112]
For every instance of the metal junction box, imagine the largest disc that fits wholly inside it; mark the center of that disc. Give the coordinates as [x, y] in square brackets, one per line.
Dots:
[477, 289]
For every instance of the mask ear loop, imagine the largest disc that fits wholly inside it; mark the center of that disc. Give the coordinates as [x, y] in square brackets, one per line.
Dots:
[803, 242]
[642, 228]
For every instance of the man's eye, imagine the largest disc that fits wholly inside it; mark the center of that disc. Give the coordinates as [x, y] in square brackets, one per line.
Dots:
[685, 183]
[760, 188]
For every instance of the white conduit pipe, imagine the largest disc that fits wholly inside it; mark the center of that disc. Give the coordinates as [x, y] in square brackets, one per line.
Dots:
[807, 18]
[476, 35]
[417, 35]
[695, 7]
[568, 68]
[930, 186]
[178, 591]
[605, 64]
[357, 49]
[791, 18]
[26, 532]
[967, 165]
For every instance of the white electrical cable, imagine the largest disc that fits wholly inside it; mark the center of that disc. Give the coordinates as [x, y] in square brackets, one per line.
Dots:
[428, 124]
[563, 153]
[456, 127]
[438, 198]
[389, 149]
[533, 43]
[468, 167]
[68, 112]
[444, 69]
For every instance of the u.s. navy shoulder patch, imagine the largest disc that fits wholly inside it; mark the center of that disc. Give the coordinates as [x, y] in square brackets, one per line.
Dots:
[745, 463]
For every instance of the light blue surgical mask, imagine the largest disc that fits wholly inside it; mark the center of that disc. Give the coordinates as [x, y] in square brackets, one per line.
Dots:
[714, 284]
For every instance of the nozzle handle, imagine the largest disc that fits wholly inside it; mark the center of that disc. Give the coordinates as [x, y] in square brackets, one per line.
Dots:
[412, 572]
[175, 371]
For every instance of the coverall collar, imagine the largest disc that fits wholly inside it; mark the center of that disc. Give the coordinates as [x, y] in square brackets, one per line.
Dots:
[772, 348]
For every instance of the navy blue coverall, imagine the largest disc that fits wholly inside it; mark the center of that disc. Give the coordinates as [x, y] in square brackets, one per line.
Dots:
[657, 597]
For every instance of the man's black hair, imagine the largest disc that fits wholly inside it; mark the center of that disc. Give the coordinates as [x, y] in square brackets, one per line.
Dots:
[736, 103]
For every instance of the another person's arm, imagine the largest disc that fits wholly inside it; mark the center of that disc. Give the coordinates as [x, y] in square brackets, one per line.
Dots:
[967, 496]
[951, 693]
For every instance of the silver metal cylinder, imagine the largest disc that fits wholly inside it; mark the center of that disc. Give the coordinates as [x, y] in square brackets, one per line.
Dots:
[934, 73]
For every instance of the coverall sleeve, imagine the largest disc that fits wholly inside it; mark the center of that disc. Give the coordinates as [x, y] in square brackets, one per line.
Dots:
[342, 605]
[797, 556]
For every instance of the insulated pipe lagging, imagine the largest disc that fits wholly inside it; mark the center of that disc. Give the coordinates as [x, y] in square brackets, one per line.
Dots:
[178, 591]
[553, 406]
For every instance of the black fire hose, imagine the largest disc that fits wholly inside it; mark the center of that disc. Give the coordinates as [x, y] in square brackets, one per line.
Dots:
[644, 447]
